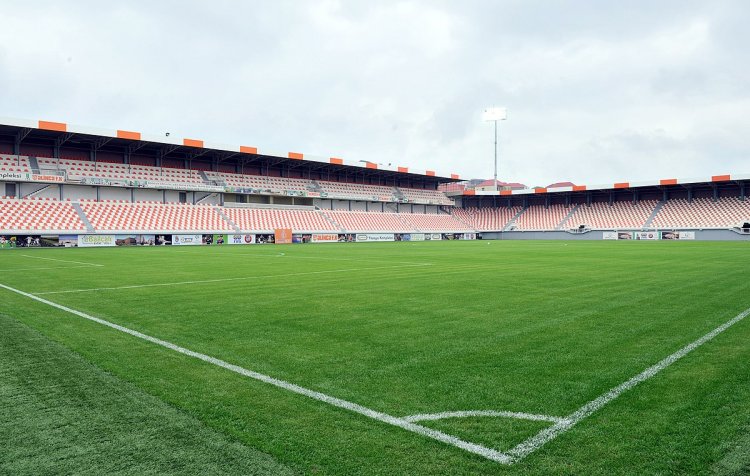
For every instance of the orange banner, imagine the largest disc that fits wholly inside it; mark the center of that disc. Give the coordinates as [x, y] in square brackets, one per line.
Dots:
[283, 235]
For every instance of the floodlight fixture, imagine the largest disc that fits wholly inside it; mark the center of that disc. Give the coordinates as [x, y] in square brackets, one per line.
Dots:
[494, 114]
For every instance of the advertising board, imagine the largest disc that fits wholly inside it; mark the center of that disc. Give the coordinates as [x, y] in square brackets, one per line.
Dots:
[28, 177]
[325, 238]
[646, 235]
[96, 240]
[241, 239]
[186, 240]
[369, 237]
[677, 235]
[282, 236]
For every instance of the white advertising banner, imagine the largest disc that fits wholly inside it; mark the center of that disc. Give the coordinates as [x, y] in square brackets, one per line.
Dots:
[325, 238]
[27, 177]
[647, 235]
[241, 240]
[96, 240]
[186, 240]
[687, 235]
[375, 237]
[609, 235]
[417, 237]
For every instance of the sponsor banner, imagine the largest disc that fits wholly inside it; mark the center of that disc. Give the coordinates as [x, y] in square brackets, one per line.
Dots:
[8, 241]
[27, 177]
[417, 237]
[214, 239]
[135, 240]
[282, 236]
[433, 236]
[470, 236]
[625, 235]
[96, 240]
[187, 240]
[361, 237]
[47, 178]
[68, 241]
[609, 235]
[240, 239]
[175, 186]
[677, 235]
[325, 238]
[102, 181]
[12, 176]
[29, 241]
[647, 235]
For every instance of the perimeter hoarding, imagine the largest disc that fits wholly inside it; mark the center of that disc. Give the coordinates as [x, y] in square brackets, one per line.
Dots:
[282, 236]
[89, 241]
[677, 235]
[325, 238]
[187, 240]
[240, 239]
[369, 237]
[647, 235]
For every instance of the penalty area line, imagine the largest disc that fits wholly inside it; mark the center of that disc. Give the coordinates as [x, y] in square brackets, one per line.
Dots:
[42, 269]
[532, 444]
[223, 280]
[483, 413]
[402, 423]
[63, 260]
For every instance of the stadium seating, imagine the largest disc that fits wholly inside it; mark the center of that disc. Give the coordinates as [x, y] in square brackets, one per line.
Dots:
[34, 215]
[619, 215]
[431, 222]
[540, 218]
[364, 192]
[155, 217]
[703, 213]
[253, 219]
[486, 219]
[14, 163]
[258, 182]
[429, 196]
[80, 169]
[371, 221]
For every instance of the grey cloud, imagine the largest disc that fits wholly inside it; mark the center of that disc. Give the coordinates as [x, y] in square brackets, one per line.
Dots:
[597, 91]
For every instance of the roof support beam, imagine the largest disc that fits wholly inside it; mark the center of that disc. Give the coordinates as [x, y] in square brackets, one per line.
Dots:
[20, 136]
[60, 141]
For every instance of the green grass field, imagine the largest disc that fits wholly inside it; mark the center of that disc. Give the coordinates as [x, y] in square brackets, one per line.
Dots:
[400, 329]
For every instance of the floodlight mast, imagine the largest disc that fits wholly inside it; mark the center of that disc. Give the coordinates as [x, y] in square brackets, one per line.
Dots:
[495, 114]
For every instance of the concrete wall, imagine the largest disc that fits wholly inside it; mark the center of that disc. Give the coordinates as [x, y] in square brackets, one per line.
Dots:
[145, 194]
[27, 188]
[75, 192]
[114, 193]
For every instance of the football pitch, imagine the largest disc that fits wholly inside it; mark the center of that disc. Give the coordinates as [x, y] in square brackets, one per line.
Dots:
[529, 357]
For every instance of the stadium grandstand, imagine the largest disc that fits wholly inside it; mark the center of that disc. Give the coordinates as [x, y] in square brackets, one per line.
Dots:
[61, 179]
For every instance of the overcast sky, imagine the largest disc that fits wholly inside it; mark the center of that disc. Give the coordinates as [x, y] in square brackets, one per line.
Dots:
[596, 91]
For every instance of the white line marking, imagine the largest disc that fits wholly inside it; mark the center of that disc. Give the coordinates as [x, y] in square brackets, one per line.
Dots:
[480, 450]
[222, 280]
[548, 434]
[63, 260]
[51, 267]
[483, 413]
